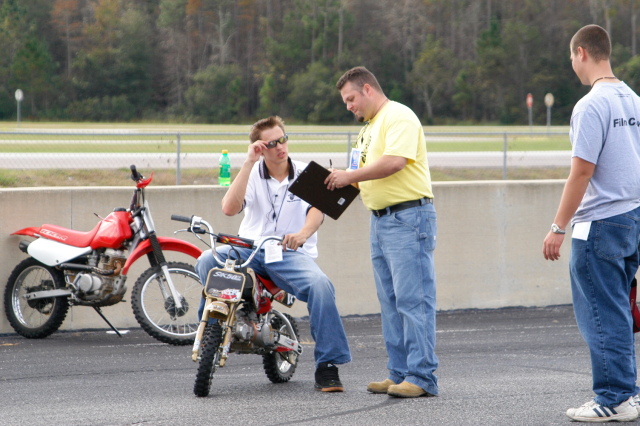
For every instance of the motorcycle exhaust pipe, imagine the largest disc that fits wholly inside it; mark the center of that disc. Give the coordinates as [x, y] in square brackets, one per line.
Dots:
[79, 267]
[23, 245]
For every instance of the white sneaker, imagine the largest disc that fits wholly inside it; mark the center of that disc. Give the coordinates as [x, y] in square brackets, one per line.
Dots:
[636, 399]
[593, 412]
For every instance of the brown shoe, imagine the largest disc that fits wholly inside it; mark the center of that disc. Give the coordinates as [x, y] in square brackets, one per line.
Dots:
[380, 387]
[407, 390]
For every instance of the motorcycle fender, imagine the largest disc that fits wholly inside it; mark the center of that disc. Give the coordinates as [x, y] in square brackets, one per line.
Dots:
[53, 253]
[31, 231]
[166, 244]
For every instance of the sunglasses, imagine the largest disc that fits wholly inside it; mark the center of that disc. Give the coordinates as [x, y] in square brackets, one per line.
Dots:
[280, 140]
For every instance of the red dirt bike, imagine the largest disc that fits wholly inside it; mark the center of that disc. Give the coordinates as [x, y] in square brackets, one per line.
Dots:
[68, 268]
[241, 302]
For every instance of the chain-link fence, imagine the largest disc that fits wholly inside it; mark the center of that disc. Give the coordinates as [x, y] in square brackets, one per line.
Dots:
[28, 153]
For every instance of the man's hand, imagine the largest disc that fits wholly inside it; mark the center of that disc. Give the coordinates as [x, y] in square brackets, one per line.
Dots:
[337, 179]
[255, 150]
[551, 246]
[293, 241]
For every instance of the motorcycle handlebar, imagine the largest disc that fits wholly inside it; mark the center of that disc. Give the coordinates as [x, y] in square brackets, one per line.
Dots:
[196, 223]
[135, 175]
[180, 218]
[193, 220]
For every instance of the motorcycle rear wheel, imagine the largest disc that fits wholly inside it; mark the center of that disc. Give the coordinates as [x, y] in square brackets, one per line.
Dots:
[39, 318]
[276, 366]
[209, 359]
[157, 314]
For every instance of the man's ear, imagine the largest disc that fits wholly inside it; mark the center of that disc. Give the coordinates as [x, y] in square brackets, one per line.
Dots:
[582, 53]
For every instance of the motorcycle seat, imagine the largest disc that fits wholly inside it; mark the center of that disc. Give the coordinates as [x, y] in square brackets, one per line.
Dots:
[269, 285]
[68, 236]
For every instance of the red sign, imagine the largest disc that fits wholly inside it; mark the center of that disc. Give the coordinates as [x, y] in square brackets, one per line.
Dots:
[529, 100]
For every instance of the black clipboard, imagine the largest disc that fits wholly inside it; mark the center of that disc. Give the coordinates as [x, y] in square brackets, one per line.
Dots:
[310, 186]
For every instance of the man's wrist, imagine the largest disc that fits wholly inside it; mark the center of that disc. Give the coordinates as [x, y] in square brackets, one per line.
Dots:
[557, 230]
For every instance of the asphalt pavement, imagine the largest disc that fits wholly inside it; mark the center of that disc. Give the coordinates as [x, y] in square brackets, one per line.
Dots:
[514, 366]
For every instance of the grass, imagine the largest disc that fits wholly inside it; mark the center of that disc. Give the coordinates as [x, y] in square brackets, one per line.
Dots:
[100, 177]
[120, 177]
[298, 143]
[145, 138]
[459, 174]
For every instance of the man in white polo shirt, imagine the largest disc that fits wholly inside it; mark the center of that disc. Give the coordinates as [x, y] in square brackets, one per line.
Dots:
[261, 191]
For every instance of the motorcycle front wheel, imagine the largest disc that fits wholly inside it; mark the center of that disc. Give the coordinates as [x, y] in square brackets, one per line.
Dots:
[276, 364]
[154, 307]
[37, 318]
[209, 359]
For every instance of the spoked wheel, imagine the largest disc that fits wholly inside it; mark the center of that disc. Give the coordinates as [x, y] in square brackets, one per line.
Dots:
[156, 311]
[209, 359]
[280, 366]
[37, 318]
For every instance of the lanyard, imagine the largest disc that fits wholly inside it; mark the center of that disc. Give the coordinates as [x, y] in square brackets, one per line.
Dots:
[364, 147]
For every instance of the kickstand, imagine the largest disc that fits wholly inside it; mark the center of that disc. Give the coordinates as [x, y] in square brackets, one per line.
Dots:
[106, 320]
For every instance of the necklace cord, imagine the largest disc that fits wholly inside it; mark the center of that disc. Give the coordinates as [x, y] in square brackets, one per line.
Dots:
[598, 79]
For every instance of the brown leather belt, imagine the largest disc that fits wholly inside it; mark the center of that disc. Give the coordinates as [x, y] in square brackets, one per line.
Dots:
[402, 206]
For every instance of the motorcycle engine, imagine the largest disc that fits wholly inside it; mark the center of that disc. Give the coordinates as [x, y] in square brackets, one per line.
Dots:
[103, 287]
[253, 334]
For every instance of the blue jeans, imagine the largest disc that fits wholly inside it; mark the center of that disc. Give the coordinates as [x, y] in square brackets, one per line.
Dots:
[402, 246]
[297, 274]
[601, 269]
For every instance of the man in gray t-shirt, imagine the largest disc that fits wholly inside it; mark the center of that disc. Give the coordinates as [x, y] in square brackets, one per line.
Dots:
[604, 132]
[601, 198]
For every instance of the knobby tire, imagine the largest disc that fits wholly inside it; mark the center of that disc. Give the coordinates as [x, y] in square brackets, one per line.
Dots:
[209, 359]
[157, 314]
[275, 365]
[39, 318]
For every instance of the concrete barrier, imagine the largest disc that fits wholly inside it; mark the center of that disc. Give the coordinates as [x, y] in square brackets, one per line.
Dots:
[488, 255]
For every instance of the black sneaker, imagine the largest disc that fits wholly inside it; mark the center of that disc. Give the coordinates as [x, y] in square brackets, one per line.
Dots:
[327, 379]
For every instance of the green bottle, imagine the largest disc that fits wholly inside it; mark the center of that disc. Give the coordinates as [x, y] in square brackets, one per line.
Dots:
[224, 178]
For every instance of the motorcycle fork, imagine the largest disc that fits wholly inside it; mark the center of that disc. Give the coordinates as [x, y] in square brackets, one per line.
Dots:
[156, 259]
[227, 325]
[228, 335]
[200, 332]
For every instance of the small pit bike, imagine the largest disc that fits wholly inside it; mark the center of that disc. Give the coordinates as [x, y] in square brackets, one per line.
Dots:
[68, 268]
[238, 314]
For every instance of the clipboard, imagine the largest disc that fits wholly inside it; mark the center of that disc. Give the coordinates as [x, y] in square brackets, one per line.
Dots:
[310, 186]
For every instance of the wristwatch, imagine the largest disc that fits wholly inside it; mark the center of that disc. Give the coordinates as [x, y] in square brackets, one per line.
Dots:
[556, 229]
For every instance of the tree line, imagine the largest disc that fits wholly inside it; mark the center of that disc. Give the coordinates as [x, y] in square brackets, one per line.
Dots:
[230, 61]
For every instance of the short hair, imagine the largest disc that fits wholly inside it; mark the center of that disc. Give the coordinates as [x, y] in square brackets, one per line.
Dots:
[359, 76]
[264, 124]
[595, 40]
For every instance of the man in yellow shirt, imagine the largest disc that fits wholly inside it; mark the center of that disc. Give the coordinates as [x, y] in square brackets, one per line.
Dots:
[393, 175]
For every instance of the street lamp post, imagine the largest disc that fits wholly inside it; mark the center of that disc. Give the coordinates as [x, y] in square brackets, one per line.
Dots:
[19, 97]
[529, 107]
[548, 101]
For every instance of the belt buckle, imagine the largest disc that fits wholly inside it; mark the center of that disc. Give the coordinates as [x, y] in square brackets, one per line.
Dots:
[381, 212]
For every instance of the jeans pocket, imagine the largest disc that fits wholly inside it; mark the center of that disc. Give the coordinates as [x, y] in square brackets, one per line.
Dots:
[611, 239]
[422, 222]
